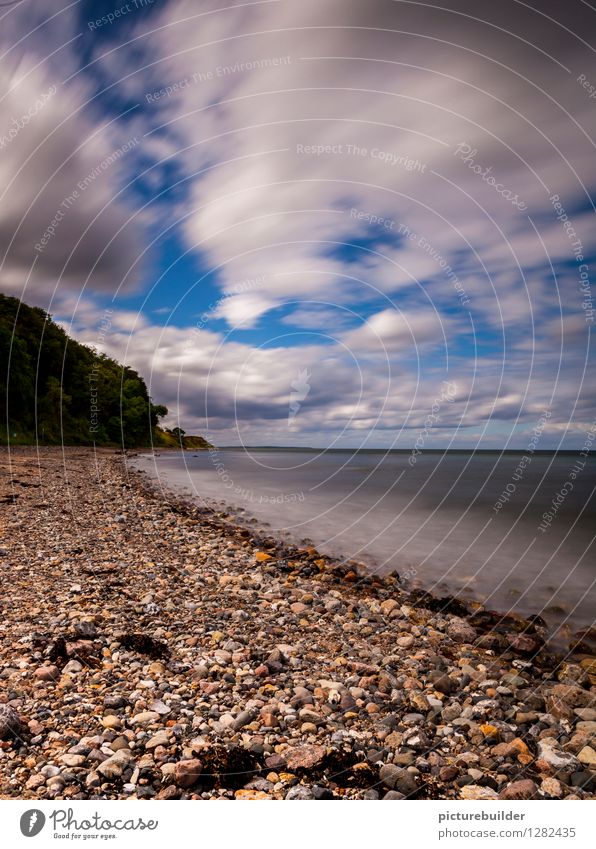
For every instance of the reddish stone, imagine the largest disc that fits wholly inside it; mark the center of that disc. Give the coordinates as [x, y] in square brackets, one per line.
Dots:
[305, 757]
[524, 789]
[187, 772]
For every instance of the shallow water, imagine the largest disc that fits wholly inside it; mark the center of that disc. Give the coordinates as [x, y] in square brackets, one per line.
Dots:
[436, 522]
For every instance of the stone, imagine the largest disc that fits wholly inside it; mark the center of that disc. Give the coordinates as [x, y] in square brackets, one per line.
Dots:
[162, 738]
[304, 757]
[114, 702]
[309, 715]
[169, 792]
[300, 792]
[146, 717]
[587, 714]
[451, 712]
[444, 684]
[49, 771]
[460, 631]
[47, 673]
[85, 630]
[243, 718]
[259, 783]
[584, 779]
[186, 773]
[322, 793]
[587, 756]
[416, 739]
[562, 699]
[10, 722]
[524, 789]
[35, 782]
[405, 642]
[389, 605]
[301, 697]
[448, 773]
[551, 787]
[159, 707]
[275, 762]
[398, 778]
[477, 793]
[514, 748]
[73, 760]
[404, 758]
[111, 721]
[552, 759]
[524, 644]
[251, 795]
[113, 768]
[393, 795]
[298, 607]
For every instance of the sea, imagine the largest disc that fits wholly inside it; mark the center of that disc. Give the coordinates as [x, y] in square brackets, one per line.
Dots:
[513, 531]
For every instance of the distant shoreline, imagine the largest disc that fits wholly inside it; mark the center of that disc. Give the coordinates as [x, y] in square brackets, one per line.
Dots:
[568, 452]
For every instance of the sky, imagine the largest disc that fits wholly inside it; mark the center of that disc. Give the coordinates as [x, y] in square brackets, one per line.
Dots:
[338, 224]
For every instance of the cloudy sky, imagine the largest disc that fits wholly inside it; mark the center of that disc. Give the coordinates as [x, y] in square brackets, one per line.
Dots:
[314, 223]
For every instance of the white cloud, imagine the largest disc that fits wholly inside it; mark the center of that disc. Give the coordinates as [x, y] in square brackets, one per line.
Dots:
[284, 117]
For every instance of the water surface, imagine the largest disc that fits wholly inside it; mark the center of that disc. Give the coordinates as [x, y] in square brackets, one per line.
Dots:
[436, 520]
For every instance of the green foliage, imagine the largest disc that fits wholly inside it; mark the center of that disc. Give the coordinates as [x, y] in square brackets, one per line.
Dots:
[165, 438]
[55, 390]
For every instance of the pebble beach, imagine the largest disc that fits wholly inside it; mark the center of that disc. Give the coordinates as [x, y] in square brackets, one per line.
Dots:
[151, 648]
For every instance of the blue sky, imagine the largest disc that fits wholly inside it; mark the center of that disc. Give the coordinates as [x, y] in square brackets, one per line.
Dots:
[359, 200]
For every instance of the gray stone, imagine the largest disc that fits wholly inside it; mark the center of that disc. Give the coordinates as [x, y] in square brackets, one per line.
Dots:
[114, 767]
[300, 792]
[460, 631]
[243, 718]
[392, 795]
[397, 778]
[10, 722]
[162, 738]
[159, 707]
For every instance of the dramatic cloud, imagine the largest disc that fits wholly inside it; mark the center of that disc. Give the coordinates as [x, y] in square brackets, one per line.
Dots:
[64, 221]
[384, 195]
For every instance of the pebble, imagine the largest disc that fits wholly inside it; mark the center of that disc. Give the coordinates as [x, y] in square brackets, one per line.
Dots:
[10, 722]
[191, 668]
[398, 778]
[524, 789]
[186, 773]
[73, 760]
[460, 631]
[305, 757]
[47, 673]
[146, 717]
[551, 787]
[551, 758]
[300, 792]
[587, 756]
[477, 793]
[251, 794]
[162, 738]
[114, 767]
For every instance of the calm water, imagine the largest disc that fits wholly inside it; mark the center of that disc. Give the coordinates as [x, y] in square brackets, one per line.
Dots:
[434, 522]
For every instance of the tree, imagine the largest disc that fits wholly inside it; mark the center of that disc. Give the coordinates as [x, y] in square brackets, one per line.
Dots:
[158, 411]
[56, 390]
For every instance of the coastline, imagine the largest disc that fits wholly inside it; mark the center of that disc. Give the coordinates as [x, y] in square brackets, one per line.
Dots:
[152, 649]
